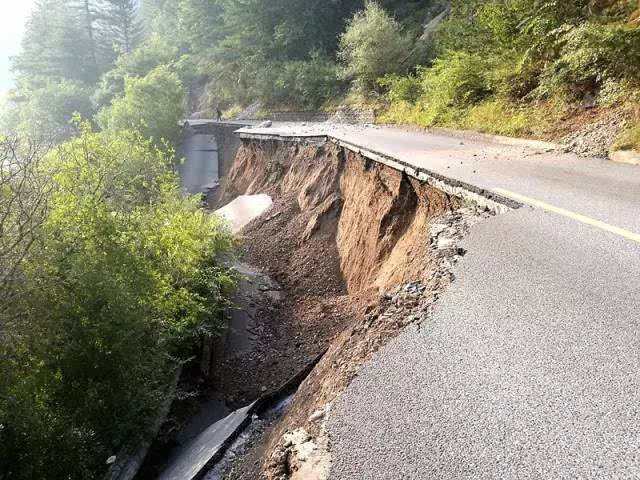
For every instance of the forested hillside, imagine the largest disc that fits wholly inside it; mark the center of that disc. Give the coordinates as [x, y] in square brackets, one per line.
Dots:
[81, 55]
[515, 67]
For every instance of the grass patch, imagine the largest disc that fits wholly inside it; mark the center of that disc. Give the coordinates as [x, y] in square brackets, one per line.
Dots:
[405, 113]
[629, 139]
[495, 116]
[232, 112]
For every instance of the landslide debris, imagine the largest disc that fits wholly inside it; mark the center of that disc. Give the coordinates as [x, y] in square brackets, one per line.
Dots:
[360, 251]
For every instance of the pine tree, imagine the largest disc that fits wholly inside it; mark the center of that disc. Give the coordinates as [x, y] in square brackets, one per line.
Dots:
[56, 44]
[89, 18]
[200, 23]
[120, 25]
[150, 10]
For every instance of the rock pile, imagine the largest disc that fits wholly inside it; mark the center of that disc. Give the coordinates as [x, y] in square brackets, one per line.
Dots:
[595, 139]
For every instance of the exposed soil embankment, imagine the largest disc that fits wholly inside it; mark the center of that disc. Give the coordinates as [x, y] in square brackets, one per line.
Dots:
[360, 251]
[375, 218]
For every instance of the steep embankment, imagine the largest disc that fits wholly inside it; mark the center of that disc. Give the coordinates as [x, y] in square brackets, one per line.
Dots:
[375, 217]
[360, 251]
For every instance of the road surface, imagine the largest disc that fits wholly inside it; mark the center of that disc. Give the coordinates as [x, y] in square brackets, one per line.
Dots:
[199, 171]
[530, 365]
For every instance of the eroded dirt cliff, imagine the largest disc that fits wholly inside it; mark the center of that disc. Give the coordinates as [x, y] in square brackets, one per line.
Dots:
[361, 252]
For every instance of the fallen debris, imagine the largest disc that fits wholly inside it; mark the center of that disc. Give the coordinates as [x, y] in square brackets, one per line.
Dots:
[299, 456]
[244, 209]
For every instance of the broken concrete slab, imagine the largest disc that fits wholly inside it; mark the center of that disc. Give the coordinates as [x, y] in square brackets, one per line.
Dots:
[207, 446]
[241, 211]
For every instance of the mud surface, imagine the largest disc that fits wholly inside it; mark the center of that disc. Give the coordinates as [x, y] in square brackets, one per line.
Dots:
[294, 329]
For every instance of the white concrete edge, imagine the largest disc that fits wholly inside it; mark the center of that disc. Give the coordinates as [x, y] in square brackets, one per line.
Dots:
[482, 197]
[425, 177]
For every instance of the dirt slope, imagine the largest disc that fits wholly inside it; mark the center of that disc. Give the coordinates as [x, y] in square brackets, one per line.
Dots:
[376, 217]
[352, 245]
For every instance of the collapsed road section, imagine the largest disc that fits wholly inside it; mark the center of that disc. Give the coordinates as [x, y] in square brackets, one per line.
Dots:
[361, 247]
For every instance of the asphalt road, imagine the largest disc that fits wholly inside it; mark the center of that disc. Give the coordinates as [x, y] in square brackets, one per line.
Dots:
[530, 365]
[597, 188]
[200, 168]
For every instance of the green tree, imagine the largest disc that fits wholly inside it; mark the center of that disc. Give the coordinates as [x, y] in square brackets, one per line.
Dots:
[56, 44]
[154, 13]
[47, 111]
[24, 200]
[200, 23]
[116, 289]
[154, 52]
[152, 105]
[372, 46]
[261, 36]
[284, 29]
[120, 25]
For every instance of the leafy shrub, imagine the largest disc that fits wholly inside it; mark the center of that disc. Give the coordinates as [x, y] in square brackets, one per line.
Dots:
[402, 89]
[156, 51]
[315, 81]
[48, 110]
[152, 105]
[453, 84]
[617, 92]
[24, 199]
[304, 84]
[402, 112]
[629, 139]
[498, 117]
[591, 54]
[372, 45]
[117, 288]
[232, 112]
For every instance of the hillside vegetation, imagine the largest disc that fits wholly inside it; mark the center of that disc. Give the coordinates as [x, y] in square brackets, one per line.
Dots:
[516, 67]
[109, 275]
[522, 67]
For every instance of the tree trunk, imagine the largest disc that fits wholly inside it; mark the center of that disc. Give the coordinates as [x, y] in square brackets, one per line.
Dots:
[92, 43]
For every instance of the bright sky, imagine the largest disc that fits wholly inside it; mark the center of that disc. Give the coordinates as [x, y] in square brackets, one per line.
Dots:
[13, 15]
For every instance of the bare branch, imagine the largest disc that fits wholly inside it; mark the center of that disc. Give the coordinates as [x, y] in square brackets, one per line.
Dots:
[24, 201]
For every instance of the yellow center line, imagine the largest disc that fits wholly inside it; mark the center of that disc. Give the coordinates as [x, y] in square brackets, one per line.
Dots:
[575, 216]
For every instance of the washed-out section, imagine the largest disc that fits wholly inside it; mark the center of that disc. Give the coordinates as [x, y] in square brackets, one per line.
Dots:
[361, 249]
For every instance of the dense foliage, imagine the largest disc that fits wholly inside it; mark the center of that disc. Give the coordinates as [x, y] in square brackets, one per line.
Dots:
[152, 105]
[283, 53]
[372, 45]
[500, 62]
[110, 293]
